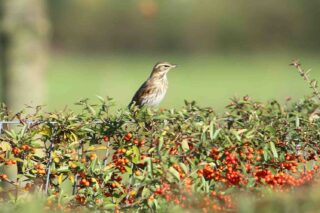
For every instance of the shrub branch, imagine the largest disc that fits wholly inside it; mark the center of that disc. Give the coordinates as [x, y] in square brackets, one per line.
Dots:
[313, 84]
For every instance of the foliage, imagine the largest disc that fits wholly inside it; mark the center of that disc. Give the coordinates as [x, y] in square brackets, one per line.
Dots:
[154, 159]
[151, 25]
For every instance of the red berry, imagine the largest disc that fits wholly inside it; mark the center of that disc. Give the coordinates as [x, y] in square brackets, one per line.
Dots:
[106, 138]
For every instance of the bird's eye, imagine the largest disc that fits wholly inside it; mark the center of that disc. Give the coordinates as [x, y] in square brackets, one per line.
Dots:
[166, 65]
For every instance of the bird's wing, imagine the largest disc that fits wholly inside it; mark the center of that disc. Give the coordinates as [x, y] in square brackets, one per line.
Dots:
[145, 90]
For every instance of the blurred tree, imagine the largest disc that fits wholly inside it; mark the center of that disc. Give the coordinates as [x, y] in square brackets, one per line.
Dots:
[23, 55]
[24, 44]
[184, 25]
[148, 8]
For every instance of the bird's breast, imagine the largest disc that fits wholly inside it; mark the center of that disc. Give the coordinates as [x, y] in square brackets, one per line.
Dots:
[157, 93]
[158, 97]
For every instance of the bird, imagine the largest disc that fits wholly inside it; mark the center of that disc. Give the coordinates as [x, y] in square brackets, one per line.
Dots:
[154, 89]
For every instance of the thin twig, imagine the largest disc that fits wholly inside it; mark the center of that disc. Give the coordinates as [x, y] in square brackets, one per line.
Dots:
[305, 75]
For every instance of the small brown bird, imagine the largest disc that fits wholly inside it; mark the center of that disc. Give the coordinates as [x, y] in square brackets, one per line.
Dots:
[153, 90]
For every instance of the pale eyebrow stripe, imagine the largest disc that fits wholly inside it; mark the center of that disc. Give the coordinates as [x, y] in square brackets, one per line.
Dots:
[162, 64]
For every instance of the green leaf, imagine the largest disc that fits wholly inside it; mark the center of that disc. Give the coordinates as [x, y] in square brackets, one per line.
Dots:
[274, 150]
[107, 177]
[216, 133]
[184, 168]
[185, 145]
[175, 173]
[109, 206]
[149, 166]
[128, 169]
[145, 193]
[151, 150]
[101, 99]
[252, 182]
[30, 176]
[5, 146]
[121, 197]
[243, 168]
[23, 130]
[265, 152]
[156, 205]
[160, 143]
[250, 134]
[60, 178]
[297, 122]
[36, 144]
[211, 130]
[136, 154]
[63, 169]
[236, 135]
[93, 164]
[91, 109]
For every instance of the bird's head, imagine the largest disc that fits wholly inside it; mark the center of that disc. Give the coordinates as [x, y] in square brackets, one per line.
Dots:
[161, 69]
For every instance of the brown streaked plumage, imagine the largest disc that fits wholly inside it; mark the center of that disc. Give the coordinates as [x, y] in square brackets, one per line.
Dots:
[153, 90]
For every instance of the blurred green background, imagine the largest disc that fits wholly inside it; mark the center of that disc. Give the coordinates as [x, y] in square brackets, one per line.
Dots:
[223, 49]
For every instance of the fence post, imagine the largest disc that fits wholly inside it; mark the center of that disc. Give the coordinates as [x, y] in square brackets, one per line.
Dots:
[80, 153]
[50, 159]
[106, 155]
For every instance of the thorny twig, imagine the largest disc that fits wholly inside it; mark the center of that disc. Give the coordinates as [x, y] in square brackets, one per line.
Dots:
[305, 75]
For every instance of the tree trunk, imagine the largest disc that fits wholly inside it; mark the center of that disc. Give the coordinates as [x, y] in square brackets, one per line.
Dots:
[24, 44]
[24, 31]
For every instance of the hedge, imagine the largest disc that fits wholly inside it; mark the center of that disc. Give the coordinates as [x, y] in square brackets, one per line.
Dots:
[153, 159]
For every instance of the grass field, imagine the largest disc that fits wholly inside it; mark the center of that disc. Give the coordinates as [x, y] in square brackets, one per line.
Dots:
[211, 80]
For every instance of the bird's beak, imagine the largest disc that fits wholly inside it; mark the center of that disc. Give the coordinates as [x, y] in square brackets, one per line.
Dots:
[174, 65]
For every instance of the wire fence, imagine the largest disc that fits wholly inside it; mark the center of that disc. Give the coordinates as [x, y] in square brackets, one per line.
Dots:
[5, 124]
[52, 141]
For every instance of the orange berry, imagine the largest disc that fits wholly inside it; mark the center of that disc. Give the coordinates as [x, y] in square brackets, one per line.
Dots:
[8, 163]
[4, 177]
[83, 181]
[98, 201]
[137, 173]
[42, 171]
[93, 156]
[28, 186]
[73, 166]
[151, 198]
[16, 151]
[142, 142]
[128, 137]
[25, 147]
